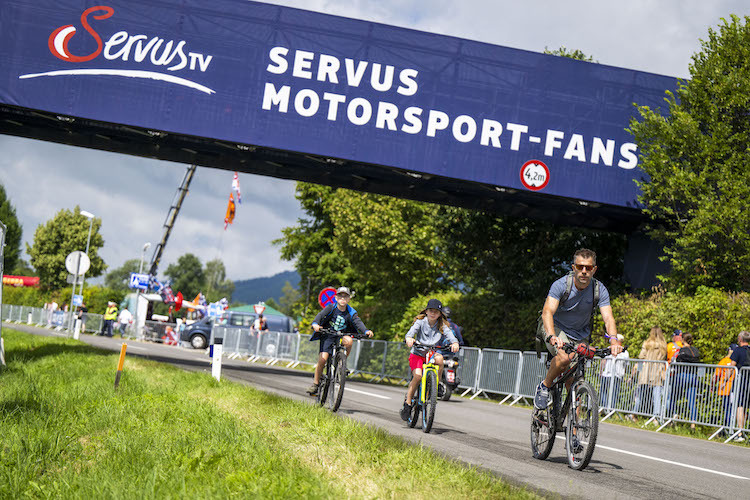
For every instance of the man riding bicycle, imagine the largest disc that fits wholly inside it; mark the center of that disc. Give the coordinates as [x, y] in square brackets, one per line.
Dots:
[567, 316]
[340, 317]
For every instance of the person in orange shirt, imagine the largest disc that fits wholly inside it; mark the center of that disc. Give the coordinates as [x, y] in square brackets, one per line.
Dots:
[723, 379]
[673, 348]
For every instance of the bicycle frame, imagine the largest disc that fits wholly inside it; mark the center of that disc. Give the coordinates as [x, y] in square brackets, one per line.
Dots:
[428, 366]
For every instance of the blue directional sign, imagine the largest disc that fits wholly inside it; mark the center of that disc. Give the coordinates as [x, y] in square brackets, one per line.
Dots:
[77, 300]
[138, 280]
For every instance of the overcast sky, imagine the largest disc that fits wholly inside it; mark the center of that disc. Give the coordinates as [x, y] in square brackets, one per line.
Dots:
[132, 195]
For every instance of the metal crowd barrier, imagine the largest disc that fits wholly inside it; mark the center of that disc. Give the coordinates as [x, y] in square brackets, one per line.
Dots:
[708, 395]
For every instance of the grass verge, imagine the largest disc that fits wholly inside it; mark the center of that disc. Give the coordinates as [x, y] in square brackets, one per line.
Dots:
[166, 433]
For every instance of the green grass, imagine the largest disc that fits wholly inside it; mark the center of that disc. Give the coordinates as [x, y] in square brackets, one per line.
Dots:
[167, 433]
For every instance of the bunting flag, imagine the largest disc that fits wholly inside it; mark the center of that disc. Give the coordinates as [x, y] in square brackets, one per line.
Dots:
[230, 212]
[236, 187]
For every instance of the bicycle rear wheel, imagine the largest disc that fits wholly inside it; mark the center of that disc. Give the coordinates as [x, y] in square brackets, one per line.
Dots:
[583, 425]
[430, 401]
[338, 380]
[543, 431]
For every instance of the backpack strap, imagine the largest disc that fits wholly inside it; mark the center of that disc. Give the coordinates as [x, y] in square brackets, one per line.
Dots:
[568, 287]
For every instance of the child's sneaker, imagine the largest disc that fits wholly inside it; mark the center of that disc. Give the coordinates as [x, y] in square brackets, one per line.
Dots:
[405, 411]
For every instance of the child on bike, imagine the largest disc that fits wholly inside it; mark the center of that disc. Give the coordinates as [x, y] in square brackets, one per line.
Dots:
[342, 318]
[429, 326]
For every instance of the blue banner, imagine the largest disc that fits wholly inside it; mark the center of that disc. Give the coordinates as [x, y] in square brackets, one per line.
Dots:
[277, 77]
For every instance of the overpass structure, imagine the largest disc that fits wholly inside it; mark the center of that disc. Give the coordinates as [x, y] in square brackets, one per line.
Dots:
[298, 95]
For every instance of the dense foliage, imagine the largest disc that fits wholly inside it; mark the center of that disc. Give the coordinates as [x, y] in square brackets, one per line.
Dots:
[698, 160]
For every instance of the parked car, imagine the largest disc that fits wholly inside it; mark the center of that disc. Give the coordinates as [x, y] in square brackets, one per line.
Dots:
[198, 334]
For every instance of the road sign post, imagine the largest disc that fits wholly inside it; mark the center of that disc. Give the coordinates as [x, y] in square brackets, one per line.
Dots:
[76, 263]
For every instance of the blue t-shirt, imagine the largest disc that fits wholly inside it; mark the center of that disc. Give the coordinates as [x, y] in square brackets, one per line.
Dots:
[574, 315]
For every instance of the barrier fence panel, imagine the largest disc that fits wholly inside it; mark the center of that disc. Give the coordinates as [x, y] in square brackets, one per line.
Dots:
[499, 372]
[691, 396]
[641, 390]
[740, 404]
[469, 363]
[370, 357]
[533, 371]
[396, 363]
[308, 351]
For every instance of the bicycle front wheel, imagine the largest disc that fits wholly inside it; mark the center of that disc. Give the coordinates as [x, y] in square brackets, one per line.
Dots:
[338, 380]
[430, 401]
[583, 425]
[325, 380]
[543, 430]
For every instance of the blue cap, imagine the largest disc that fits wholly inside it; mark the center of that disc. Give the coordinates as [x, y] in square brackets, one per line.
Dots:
[732, 347]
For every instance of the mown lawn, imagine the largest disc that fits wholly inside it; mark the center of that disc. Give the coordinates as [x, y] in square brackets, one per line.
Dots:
[166, 433]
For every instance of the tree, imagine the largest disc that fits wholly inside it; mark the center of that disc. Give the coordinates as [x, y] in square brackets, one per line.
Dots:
[119, 279]
[217, 284]
[22, 268]
[53, 241]
[272, 303]
[187, 276]
[14, 231]
[289, 298]
[575, 54]
[518, 259]
[310, 243]
[696, 157]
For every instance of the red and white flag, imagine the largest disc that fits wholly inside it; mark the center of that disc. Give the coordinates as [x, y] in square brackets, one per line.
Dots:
[236, 187]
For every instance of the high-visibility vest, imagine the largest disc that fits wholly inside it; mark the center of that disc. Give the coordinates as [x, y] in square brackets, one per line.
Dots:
[111, 313]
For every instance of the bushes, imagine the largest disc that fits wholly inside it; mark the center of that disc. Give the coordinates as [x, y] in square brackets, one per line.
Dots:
[713, 316]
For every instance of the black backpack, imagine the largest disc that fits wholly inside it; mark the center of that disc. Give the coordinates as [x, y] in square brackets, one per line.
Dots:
[568, 287]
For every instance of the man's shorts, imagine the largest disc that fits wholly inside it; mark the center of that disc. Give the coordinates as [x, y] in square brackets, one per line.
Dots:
[564, 337]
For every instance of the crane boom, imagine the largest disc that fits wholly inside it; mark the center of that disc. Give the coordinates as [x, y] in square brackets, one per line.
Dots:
[171, 217]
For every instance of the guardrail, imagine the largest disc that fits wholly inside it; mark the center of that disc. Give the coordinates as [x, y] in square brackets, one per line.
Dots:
[702, 394]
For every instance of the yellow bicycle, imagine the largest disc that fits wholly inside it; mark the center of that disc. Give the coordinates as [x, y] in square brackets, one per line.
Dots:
[425, 399]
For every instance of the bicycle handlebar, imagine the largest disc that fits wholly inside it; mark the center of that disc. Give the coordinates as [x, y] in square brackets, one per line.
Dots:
[335, 333]
[587, 351]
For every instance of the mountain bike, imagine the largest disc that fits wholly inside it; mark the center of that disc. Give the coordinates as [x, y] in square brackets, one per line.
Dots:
[581, 408]
[333, 378]
[425, 398]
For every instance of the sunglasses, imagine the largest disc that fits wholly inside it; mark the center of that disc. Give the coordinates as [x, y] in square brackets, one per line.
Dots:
[583, 267]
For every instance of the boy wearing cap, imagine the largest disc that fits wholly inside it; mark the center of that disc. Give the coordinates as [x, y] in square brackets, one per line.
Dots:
[429, 327]
[340, 317]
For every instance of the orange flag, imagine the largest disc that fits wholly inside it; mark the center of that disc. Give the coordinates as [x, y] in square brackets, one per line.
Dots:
[230, 212]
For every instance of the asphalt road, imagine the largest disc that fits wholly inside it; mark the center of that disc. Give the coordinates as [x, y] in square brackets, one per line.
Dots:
[627, 463]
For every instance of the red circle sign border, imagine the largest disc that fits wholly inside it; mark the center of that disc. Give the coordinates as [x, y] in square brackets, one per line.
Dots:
[546, 169]
[323, 291]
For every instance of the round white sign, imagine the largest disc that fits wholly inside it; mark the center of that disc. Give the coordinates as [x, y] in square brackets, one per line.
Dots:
[77, 259]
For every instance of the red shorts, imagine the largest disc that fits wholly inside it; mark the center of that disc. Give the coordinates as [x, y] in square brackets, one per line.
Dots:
[415, 361]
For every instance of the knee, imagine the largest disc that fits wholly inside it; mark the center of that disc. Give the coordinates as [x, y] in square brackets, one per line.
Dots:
[346, 341]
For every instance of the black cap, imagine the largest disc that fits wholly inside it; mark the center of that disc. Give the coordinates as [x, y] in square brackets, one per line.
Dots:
[447, 311]
[434, 304]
